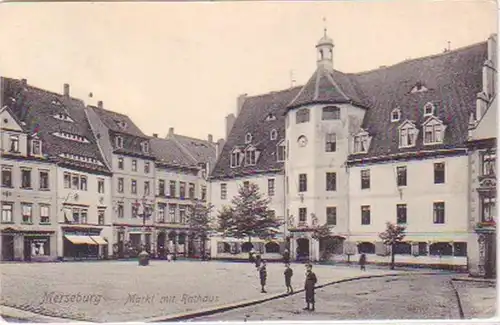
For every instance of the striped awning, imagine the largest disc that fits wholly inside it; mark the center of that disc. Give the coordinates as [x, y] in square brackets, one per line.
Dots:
[80, 240]
[99, 240]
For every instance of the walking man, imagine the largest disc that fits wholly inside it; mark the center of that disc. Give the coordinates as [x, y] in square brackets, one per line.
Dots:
[263, 275]
[288, 278]
[309, 287]
[362, 262]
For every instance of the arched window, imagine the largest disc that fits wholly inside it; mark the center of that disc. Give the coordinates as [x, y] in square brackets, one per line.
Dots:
[395, 115]
[272, 247]
[119, 142]
[428, 109]
[273, 134]
[366, 248]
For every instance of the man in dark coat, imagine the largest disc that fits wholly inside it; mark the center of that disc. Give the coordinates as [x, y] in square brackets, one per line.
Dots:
[288, 278]
[257, 261]
[286, 256]
[309, 287]
[362, 262]
[263, 275]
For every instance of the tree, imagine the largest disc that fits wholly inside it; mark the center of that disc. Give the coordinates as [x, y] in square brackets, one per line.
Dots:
[393, 235]
[322, 232]
[199, 222]
[248, 216]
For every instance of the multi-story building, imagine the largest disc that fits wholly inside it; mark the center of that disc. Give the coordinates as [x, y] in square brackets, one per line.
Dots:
[363, 149]
[180, 184]
[482, 171]
[127, 151]
[60, 134]
[255, 151]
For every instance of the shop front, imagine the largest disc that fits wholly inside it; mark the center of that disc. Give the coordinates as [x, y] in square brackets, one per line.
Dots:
[27, 245]
[81, 243]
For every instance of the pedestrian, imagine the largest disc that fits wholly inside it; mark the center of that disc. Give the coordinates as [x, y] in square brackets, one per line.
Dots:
[288, 278]
[309, 287]
[258, 260]
[362, 262]
[263, 276]
[286, 256]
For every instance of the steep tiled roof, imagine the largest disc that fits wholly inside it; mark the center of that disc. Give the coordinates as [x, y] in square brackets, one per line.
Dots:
[37, 108]
[453, 80]
[253, 120]
[200, 150]
[168, 152]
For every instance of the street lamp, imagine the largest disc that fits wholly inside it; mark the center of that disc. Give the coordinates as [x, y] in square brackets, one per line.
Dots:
[143, 255]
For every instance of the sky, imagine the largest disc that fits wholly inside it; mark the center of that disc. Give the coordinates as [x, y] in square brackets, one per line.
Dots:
[183, 65]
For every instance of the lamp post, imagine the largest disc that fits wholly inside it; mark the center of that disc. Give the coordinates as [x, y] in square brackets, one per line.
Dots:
[143, 255]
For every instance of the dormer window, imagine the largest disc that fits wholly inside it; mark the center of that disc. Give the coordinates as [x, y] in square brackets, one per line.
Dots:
[418, 88]
[119, 142]
[428, 109]
[248, 138]
[302, 116]
[433, 131]
[121, 124]
[56, 102]
[362, 142]
[408, 133]
[36, 147]
[145, 147]
[70, 136]
[271, 117]
[63, 117]
[236, 158]
[250, 156]
[395, 115]
[281, 151]
[331, 113]
[274, 134]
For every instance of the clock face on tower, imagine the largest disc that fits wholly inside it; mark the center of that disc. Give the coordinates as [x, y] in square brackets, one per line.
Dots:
[302, 140]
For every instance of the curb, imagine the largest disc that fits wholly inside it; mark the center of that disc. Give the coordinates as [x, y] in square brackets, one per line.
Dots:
[476, 280]
[221, 309]
[24, 315]
[459, 302]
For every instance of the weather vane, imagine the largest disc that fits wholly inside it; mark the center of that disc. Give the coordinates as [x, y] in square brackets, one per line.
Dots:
[324, 23]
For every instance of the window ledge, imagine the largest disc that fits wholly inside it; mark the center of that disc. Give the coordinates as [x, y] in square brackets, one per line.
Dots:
[27, 188]
[45, 223]
[6, 186]
[7, 222]
[404, 147]
[44, 189]
[432, 143]
[26, 223]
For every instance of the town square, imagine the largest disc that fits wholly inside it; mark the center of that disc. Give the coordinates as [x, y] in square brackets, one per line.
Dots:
[248, 161]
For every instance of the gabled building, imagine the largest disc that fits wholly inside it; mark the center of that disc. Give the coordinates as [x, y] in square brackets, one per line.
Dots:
[483, 130]
[128, 153]
[61, 138]
[181, 182]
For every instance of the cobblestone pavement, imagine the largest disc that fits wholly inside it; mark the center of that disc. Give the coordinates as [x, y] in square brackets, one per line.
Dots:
[479, 299]
[404, 297]
[101, 291]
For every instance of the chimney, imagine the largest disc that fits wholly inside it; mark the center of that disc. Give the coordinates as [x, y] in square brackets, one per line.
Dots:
[210, 138]
[155, 135]
[230, 119]
[99, 104]
[239, 103]
[66, 90]
[171, 131]
[219, 145]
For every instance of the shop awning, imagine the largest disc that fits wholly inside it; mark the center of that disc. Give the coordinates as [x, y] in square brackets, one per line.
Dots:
[80, 240]
[99, 240]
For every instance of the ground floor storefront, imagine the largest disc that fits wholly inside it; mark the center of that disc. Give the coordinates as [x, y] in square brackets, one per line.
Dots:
[27, 245]
[84, 242]
[233, 248]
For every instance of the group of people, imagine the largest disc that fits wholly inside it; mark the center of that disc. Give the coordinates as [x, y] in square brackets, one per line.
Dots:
[309, 284]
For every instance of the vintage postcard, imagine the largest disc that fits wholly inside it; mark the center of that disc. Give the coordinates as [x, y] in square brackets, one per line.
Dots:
[248, 161]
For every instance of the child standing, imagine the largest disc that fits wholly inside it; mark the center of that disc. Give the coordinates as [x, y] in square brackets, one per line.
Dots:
[288, 278]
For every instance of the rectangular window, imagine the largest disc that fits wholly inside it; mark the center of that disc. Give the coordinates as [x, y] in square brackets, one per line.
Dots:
[7, 212]
[365, 215]
[488, 163]
[26, 178]
[330, 113]
[172, 212]
[203, 193]
[173, 185]
[44, 179]
[439, 173]
[302, 182]
[302, 116]
[161, 212]
[146, 167]
[83, 183]
[100, 186]
[281, 152]
[76, 215]
[147, 189]
[27, 211]
[331, 181]
[330, 142]
[331, 216]
[439, 212]
[67, 180]
[36, 147]
[223, 191]
[161, 187]
[135, 210]
[192, 191]
[120, 185]
[432, 134]
[44, 214]
[134, 165]
[75, 181]
[6, 177]
[14, 143]
[488, 208]
[401, 213]
[365, 179]
[120, 211]
[360, 144]
[120, 163]
[401, 172]
[133, 186]
[83, 216]
[182, 213]
[100, 217]
[250, 157]
[302, 214]
[270, 187]
[182, 190]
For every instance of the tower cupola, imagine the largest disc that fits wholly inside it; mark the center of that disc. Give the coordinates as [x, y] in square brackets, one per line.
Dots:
[324, 49]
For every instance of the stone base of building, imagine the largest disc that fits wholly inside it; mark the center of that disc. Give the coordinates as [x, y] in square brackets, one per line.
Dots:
[482, 254]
